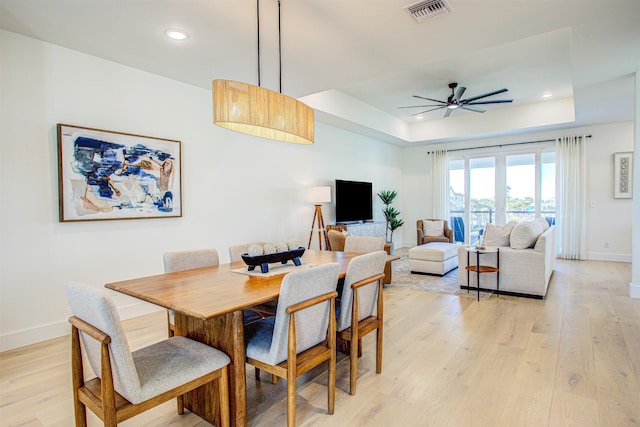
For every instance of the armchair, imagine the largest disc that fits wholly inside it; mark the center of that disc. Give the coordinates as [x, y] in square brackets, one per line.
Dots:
[427, 236]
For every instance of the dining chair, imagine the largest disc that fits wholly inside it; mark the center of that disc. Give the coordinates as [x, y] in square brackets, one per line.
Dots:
[196, 258]
[361, 308]
[363, 244]
[129, 383]
[235, 254]
[302, 334]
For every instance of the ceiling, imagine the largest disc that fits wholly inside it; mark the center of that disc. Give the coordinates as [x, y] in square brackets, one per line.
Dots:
[356, 61]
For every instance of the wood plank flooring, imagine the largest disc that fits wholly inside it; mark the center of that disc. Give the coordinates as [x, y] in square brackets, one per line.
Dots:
[570, 360]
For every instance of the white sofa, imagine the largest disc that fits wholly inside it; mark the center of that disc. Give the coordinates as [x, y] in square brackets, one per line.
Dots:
[523, 272]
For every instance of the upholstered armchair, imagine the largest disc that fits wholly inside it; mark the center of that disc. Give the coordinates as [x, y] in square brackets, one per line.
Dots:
[434, 230]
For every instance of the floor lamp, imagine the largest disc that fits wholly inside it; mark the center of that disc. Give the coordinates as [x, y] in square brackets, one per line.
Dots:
[317, 196]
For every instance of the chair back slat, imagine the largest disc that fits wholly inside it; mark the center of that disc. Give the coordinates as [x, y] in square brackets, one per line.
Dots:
[312, 322]
[94, 306]
[360, 268]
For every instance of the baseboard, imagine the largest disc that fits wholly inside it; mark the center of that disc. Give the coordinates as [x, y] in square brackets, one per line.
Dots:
[634, 290]
[606, 256]
[40, 333]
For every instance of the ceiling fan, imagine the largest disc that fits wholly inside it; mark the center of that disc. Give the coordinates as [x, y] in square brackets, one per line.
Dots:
[454, 101]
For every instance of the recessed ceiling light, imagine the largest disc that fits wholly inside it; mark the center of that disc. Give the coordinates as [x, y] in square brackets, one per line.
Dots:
[174, 34]
[547, 95]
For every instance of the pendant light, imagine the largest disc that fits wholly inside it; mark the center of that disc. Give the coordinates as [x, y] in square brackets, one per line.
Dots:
[257, 111]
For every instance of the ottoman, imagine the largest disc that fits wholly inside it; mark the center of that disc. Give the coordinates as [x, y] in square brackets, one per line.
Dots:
[433, 258]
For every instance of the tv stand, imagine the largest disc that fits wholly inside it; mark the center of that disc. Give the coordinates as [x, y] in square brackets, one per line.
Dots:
[366, 229]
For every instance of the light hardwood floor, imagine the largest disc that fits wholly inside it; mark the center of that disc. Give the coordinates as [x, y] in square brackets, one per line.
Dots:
[573, 359]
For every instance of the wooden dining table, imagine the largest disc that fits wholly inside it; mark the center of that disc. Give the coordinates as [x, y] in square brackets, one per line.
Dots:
[208, 305]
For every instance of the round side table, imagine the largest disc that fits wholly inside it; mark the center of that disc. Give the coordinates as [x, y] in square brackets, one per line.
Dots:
[478, 268]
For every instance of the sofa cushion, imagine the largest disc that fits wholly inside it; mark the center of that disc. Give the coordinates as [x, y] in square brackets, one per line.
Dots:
[495, 235]
[525, 234]
[433, 228]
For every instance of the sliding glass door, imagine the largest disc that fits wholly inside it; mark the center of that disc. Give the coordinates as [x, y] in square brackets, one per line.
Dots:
[500, 188]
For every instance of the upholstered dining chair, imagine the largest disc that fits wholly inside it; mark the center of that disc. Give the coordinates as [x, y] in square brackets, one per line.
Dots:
[361, 308]
[302, 334]
[191, 259]
[129, 383]
[235, 254]
[363, 244]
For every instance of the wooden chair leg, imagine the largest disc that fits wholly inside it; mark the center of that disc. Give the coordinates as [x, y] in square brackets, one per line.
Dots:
[353, 360]
[274, 379]
[291, 401]
[77, 374]
[256, 372]
[379, 350]
[223, 397]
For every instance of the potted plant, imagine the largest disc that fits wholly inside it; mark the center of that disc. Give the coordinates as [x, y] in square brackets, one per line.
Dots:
[391, 214]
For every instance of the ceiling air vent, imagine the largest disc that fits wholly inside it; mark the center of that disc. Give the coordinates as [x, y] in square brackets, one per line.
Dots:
[428, 9]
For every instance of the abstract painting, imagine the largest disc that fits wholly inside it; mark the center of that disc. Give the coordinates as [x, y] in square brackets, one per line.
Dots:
[104, 175]
[623, 175]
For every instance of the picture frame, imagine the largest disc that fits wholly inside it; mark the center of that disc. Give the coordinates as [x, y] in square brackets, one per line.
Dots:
[623, 175]
[107, 175]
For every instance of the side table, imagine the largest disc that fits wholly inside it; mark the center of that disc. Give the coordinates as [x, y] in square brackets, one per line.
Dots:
[478, 268]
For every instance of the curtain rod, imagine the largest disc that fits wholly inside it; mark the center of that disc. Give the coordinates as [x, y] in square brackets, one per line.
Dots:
[502, 145]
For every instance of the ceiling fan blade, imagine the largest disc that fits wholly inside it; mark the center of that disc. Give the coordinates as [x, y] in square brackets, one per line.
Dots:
[477, 110]
[421, 106]
[466, 101]
[497, 101]
[426, 111]
[459, 93]
[429, 99]
[448, 112]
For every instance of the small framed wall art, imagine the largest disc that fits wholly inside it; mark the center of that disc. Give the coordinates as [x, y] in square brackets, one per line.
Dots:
[623, 175]
[105, 175]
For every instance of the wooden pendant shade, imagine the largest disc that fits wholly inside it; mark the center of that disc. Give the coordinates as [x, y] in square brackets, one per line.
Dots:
[257, 111]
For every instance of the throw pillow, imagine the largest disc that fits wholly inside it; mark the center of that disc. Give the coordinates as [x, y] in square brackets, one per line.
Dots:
[544, 223]
[525, 234]
[495, 235]
[433, 228]
[508, 227]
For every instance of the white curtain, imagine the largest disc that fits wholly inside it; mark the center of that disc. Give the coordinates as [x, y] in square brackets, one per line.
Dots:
[570, 196]
[440, 183]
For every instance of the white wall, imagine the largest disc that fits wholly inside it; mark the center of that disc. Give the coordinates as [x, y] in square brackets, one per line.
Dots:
[608, 219]
[236, 188]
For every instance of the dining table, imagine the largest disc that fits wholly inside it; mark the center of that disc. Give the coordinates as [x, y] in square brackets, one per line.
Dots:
[208, 306]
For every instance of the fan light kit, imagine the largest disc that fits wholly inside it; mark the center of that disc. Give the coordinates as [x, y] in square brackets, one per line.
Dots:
[454, 101]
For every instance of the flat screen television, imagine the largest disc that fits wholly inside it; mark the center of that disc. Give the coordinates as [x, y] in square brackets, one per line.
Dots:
[354, 201]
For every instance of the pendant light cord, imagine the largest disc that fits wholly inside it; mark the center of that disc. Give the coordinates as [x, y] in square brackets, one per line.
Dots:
[258, 22]
[279, 47]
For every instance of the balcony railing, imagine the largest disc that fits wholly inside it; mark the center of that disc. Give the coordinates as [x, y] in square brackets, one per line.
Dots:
[479, 218]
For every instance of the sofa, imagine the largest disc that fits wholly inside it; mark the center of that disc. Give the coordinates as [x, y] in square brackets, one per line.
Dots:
[527, 259]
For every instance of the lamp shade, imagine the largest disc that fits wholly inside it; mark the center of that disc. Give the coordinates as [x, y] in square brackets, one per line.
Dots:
[319, 195]
[261, 112]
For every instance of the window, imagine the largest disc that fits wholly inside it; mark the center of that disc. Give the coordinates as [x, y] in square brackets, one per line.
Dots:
[499, 188]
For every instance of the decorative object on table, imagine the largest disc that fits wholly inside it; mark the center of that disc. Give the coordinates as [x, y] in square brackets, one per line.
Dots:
[317, 196]
[623, 175]
[264, 260]
[282, 246]
[293, 243]
[255, 250]
[105, 175]
[257, 111]
[269, 248]
[391, 214]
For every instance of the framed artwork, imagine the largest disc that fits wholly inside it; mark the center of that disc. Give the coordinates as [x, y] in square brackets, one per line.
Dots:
[623, 175]
[105, 175]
